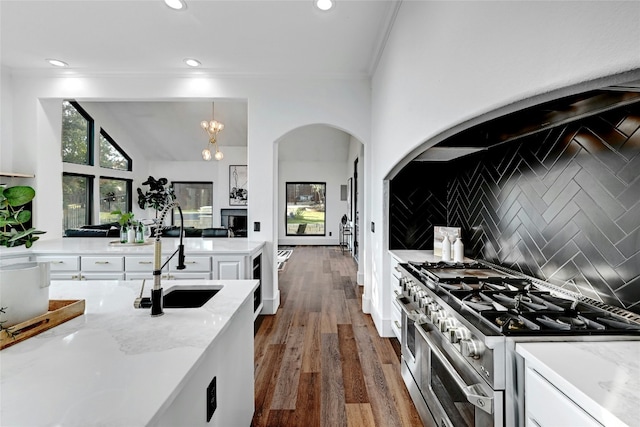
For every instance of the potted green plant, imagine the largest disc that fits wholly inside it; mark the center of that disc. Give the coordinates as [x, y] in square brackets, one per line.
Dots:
[14, 214]
[125, 219]
[24, 288]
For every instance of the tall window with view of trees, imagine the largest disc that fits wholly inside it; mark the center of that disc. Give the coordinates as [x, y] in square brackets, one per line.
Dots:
[111, 155]
[305, 208]
[77, 134]
[79, 176]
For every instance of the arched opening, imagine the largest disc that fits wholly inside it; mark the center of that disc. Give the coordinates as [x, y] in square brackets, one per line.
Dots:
[319, 194]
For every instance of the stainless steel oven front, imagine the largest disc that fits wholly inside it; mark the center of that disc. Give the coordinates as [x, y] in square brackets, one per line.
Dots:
[409, 349]
[455, 393]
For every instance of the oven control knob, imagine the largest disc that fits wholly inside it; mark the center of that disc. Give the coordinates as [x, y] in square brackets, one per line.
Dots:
[425, 301]
[459, 334]
[437, 315]
[446, 324]
[472, 348]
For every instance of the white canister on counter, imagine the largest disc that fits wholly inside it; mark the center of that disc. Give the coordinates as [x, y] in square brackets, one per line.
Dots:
[131, 235]
[446, 248]
[458, 250]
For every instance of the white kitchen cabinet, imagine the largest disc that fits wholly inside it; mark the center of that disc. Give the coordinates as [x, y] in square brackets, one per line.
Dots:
[547, 406]
[4, 261]
[102, 264]
[62, 267]
[101, 276]
[396, 291]
[66, 263]
[138, 263]
[141, 267]
[192, 264]
[228, 267]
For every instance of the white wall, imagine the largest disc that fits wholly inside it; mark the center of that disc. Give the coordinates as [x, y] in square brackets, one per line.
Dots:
[6, 121]
[449, 62]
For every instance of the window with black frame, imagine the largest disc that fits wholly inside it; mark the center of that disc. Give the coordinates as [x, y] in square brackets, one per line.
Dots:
[82, 167]
[305, 210]
[196, 201]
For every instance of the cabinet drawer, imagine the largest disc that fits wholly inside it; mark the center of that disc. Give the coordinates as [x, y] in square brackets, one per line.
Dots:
[102, 263]
[193, 263]
[547, 406]
[139, 263]
[75, 275]
[102, 276]
[167, 276]
[61, 263]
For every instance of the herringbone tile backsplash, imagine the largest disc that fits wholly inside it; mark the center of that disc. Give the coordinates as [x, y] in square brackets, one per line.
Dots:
[562, 205]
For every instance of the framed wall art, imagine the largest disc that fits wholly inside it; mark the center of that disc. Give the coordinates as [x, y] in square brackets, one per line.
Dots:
[238, 185]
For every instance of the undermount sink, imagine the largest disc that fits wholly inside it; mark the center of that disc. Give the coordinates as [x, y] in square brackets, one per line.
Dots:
[188, 297]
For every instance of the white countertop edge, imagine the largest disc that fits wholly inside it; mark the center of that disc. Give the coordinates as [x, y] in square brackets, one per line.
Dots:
[102, 246]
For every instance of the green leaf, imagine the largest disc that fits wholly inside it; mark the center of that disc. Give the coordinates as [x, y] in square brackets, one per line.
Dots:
[23, 216]
[19, 195]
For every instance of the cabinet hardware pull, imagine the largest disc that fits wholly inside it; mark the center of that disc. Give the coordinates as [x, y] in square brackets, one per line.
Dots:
[145, 262]
[102, 262]
[398, 325]
[57, 262]
[395, 291]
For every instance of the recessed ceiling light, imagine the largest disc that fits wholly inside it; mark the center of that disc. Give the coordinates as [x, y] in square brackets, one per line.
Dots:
[176, 4]
[57, 63]
[324, 4]
[192, 62]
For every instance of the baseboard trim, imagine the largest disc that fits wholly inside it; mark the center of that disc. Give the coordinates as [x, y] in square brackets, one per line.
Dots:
[270, 305]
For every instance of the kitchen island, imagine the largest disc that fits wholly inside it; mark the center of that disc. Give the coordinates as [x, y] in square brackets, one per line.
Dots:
[118, 366]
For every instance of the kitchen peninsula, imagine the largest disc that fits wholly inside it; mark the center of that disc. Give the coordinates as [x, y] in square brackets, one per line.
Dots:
[99, 258]
[118, 366]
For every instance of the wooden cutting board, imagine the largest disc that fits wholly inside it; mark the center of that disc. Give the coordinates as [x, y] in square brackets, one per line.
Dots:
[59, 312]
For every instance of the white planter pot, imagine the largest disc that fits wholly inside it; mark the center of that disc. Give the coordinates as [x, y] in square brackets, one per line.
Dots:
[24, 291]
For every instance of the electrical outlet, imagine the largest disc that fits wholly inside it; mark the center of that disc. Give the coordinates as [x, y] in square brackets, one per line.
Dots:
[212, 400]
[256, 226]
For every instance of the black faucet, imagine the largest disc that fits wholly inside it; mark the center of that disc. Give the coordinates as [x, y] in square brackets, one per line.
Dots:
[155, 302]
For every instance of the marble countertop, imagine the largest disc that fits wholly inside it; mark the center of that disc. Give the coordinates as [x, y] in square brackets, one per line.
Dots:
[102, 245]
[114, 365]
[603, 378]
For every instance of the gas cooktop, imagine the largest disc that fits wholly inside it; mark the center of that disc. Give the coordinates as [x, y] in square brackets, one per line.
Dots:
[512, 305]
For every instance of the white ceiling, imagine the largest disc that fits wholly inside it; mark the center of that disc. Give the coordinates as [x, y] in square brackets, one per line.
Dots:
[233, 38]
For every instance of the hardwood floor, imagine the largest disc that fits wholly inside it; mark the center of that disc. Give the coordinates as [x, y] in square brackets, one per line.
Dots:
[319, 361]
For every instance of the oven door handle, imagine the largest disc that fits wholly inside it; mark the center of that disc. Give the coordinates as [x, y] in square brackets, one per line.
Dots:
[474, 393]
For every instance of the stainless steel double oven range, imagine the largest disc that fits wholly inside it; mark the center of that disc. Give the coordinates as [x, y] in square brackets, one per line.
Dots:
[460, 326]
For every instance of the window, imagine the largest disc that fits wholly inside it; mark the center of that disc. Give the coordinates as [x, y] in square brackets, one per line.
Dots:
[115, 195]
[196, 201]
[77, 134]
[305, 208]
[111, 155]
[76, 200]
[81, 179]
